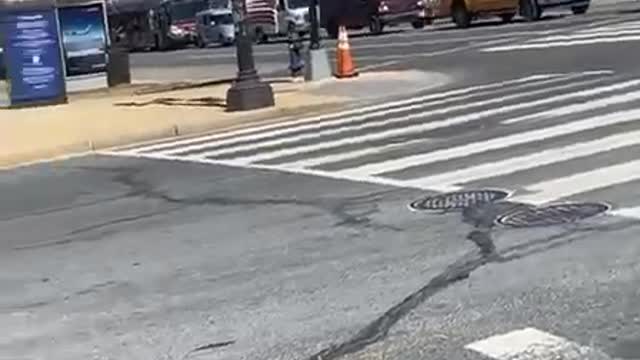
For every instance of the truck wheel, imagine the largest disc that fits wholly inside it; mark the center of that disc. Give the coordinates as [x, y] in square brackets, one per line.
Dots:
[200, 43]
[579, 10]
[375, 25]
[460, 15]
[332, 29]
[259, 37]
[418, 24]
[530, 10]
[506, 18]
[159, 43]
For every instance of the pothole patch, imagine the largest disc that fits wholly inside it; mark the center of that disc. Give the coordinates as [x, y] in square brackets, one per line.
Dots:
[458, 200]
[549, 215]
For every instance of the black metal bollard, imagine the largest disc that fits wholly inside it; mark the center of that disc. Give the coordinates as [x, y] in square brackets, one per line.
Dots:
[118, 67]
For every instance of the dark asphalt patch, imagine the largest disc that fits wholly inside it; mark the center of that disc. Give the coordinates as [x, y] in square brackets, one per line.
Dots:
[549, 215]
[458, 200]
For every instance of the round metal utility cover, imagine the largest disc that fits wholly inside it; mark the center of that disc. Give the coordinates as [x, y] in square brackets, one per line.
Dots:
[457, 200]
[554, 214]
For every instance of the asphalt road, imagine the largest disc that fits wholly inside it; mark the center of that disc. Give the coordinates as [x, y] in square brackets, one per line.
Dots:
[297, 240]
[398, 47]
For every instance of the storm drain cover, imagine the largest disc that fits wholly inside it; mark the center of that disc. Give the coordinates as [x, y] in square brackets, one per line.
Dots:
[554, 214]
[458, 200]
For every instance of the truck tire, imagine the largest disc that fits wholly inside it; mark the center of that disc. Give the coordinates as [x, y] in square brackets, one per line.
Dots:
[200, 43]
[460, 16]
[506, 18]
[375, 25]
[332, 29]
[418, 24]
[530, 10]
[580, 10]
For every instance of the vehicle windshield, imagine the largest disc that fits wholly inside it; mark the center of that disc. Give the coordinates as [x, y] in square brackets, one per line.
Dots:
[296, 4]
[187, 10]
[225, 19]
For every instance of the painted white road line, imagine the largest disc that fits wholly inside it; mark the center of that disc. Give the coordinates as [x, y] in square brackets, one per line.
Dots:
[494, 144]
[590, 105]
[589, 35]
[547, 45]
[256, 144]
[531, 344]
[558, 188]
[348, 115]
[447, 181]
[334, 158]
[411, 129]
[310, 172]
[630, 212]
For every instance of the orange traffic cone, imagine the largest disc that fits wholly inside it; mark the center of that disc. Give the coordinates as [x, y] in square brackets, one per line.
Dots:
[345, 68]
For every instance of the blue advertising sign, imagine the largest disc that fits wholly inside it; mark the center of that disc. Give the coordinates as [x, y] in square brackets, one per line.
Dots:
[84, 36]
[32, 57]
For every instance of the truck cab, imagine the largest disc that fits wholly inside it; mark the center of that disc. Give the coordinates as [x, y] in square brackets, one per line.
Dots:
[293, 16]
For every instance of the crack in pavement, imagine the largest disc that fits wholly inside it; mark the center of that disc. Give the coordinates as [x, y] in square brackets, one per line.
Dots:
[353, 212]
[461, 269]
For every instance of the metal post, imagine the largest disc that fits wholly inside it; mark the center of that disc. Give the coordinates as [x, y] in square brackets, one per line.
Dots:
[315, 26]
[317, 60]
[248, 92]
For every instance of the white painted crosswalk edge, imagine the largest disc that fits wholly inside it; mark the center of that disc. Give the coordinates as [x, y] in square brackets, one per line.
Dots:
[591, 105]
[561, 44]
[558, 188]
[263, 138]
[593, 34]
[412, 129]
[347, 115]
[630, 212]
[494, 144]
[446, 181]
[256, 143]
[531, 344]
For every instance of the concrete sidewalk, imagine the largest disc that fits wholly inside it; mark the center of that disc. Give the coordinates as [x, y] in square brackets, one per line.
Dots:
[113, 118]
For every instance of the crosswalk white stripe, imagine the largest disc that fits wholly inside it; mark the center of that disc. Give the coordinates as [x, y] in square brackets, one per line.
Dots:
[557, 188]
[494, 144]
[446, 181]
[408, 130]
[559, 111]
[591, 105]
[560, 44]
[605, 29]
[630, 212]
[563, 110]
[352, 154]
[586, 35]
[255, 138]
[361, 110]
[533, 344]
[255, 144]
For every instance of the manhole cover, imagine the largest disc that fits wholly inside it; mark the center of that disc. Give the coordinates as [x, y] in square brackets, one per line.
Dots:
[555, 214]
[458, 200]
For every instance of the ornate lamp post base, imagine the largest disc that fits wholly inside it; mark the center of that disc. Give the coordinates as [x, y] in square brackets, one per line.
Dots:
[249, 94]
